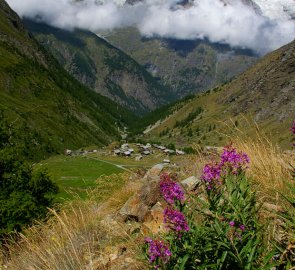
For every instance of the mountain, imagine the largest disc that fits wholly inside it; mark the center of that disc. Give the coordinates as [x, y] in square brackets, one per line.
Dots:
[187, 66]
[102, 67]
[192, 66]
[51, 109]
[264, 93]
[275, 9]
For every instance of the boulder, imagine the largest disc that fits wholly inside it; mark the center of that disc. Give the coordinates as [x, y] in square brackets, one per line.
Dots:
[191, 183]
[134, 209]
[154, 172]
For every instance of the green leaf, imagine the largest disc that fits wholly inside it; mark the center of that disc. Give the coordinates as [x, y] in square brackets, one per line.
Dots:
[183, 262]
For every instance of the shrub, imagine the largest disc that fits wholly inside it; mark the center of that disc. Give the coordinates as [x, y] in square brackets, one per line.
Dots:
[24, 194]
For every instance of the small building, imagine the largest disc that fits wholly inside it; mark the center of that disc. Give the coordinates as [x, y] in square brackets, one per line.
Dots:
[179, 152]
[125, 146]
[68, 152]
[117, 152]
[138, 158]
[127, 153]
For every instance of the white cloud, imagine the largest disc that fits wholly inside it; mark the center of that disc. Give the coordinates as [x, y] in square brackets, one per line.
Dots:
[235, 24]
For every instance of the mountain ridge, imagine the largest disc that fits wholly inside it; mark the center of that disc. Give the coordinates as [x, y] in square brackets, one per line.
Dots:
[50, 107]
[102, 67]
[263, 94]
[187, 66]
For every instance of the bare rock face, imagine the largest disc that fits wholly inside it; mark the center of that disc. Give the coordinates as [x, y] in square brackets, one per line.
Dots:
[153, 220]
[139, 204]
[191, 183]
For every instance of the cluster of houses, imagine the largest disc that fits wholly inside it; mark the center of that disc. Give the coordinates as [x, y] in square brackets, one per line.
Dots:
[124, 150]
[144, 150]
[168, 151]
[69, 152]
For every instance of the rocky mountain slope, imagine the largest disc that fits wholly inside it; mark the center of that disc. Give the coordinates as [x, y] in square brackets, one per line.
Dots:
[188, 66]
[191, 66]
[264, 93]
[275, 9]
[102, 67]
[52, 109]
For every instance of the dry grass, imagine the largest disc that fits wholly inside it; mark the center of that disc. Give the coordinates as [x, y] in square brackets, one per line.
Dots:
[269, 167]
[82, 235]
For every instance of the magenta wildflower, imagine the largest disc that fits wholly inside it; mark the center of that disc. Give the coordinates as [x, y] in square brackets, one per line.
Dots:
[158, 250]
[211, 175]
[175, 220]
[170, 190]
[242, 227]
[233, 160]
[231, 223]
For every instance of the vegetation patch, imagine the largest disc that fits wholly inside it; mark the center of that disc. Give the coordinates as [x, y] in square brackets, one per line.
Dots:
[76, 176]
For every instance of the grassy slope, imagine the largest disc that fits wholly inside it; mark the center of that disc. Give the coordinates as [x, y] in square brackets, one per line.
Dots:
[102, 67]
[35, 91]
[187, 66]
[264, 93]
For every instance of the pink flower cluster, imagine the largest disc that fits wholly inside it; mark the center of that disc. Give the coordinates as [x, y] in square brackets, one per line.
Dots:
[211, 175]
[158, 250]
[175, 220]
[241, 226]
[170, 190]
[237, 231]
[231, 161]
[293, 127]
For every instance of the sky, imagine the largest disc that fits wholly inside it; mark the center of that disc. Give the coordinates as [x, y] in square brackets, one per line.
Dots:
[234, 23]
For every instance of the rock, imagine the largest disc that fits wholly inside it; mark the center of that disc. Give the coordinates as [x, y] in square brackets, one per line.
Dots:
[154, 220]
[150, 192]
[154, 172]
[190, 183]
[134, 209]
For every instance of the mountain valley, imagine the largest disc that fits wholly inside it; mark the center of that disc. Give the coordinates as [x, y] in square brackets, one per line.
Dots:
[102, 67]
[138, 134]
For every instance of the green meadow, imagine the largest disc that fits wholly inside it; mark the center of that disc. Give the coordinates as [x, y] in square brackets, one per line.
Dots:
[76, 176]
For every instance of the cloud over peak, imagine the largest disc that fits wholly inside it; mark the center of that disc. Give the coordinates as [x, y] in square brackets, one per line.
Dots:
[223, 21]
